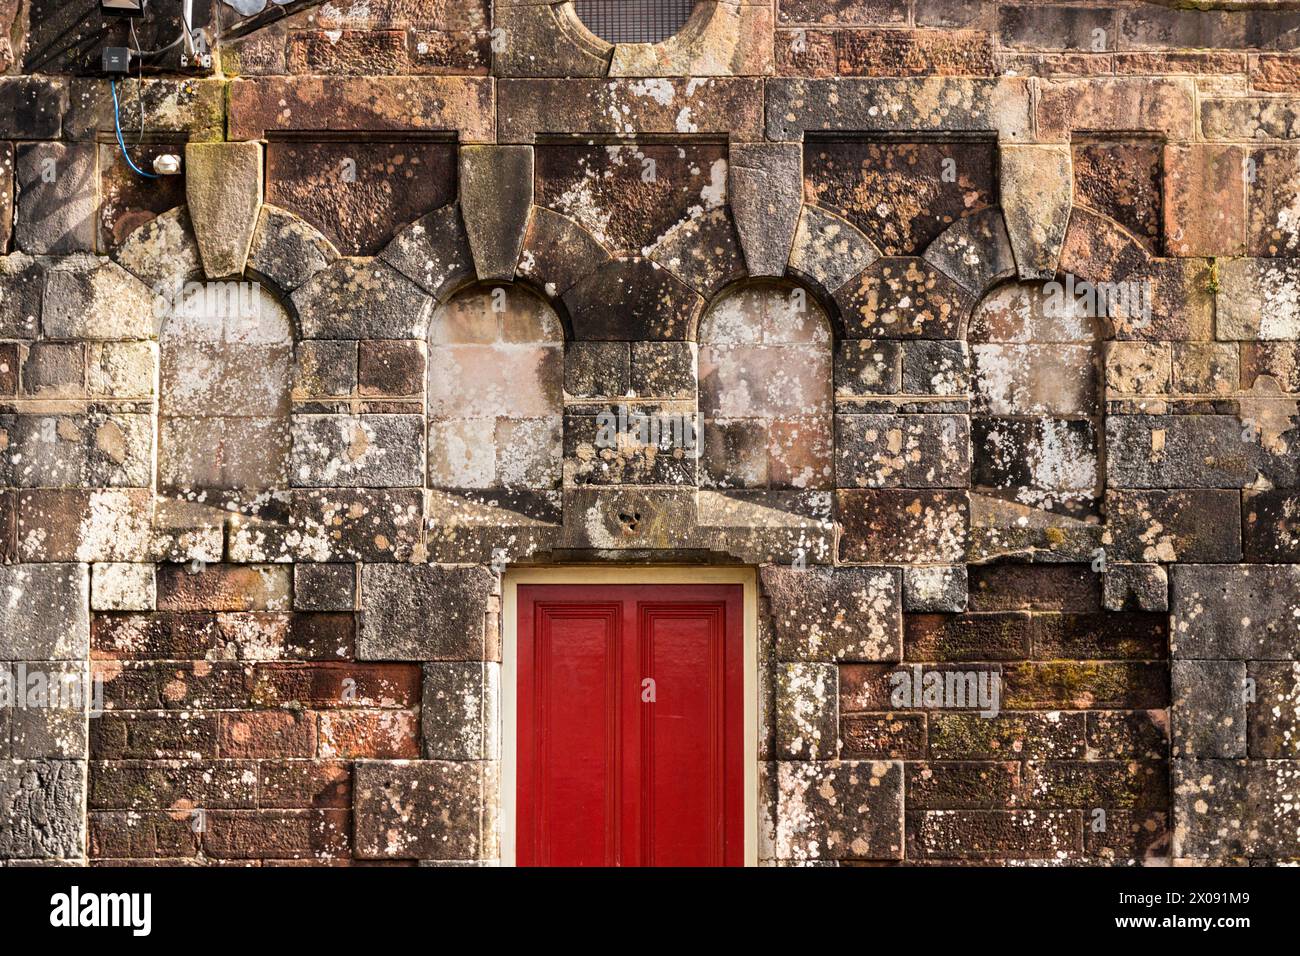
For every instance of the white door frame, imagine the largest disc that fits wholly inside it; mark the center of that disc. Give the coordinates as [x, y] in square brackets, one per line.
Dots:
[622, 575]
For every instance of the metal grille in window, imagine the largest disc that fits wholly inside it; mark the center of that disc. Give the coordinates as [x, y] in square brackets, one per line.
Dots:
[634, 21]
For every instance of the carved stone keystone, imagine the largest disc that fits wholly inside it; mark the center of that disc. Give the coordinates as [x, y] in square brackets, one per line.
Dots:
[496, 193]
[223, 187]
[766, 192]
[1037, 195]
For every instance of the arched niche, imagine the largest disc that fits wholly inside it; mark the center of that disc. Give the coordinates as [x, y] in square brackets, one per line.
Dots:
[1036, 416]
[225, 369]
[495, 401]
[765, 389]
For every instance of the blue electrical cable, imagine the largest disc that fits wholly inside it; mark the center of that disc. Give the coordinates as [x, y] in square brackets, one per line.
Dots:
[117, 125]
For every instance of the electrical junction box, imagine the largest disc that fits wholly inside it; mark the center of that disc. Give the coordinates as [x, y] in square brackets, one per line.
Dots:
[117, 59]
[122, 8]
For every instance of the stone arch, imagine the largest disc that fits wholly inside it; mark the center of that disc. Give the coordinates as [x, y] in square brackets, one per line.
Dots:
[827, 252]
[504, 431]
[557, 252]
[765, 389]
[658, 295]
[975, 252]
[285, 252]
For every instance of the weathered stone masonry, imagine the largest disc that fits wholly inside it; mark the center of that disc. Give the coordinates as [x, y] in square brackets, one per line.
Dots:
[823, 232]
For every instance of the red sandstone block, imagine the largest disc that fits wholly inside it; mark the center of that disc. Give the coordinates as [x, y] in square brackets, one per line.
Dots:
[951, 13]
[127, 686]
[1125, 735]
[329, 685]
[1054, 26]
[806, 53]
[173, 685]
[894, 526]
[305, 783]
[169, 636]
[1097, 783]
[387, 185]
[1195, 64]
[177, 833]
[273, 733]
[870, 687]
[52, 524]
[119, 835]
[1034, 587]
[1162, 104]
[277, 834]
[201, 685]
[913, 53]
[134, 836]
[452, 52]
[1101, 636]
[254, 635]
[1275, 73]
[349, 52]
[177, 786]
[868, 12]
[1084, 685]
[1278, 360]
[966, 637]
[1008, 736]
[322, 636]
[224, 587]
[1272, 193]
[149, 736]
[400, 14]
[391, 367]
[865, 687]
[1127, 834]
[883, 736]
[370, 734]
[363, 102]
[1052, 64]
[1205, 200]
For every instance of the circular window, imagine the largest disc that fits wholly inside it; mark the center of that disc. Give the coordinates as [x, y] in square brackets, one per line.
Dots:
[634, 21]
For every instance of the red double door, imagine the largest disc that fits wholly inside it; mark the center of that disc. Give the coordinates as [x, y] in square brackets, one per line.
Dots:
[630, 744]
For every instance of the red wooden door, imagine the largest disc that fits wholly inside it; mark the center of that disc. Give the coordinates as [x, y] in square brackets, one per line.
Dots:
[631, 726]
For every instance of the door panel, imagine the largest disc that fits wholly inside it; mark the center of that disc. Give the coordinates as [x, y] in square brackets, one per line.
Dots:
[682, 740]
[614, 769]
[575, 666]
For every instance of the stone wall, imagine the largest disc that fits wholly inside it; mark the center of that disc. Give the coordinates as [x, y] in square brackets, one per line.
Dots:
[985, 314]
